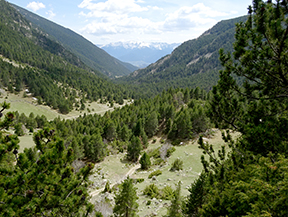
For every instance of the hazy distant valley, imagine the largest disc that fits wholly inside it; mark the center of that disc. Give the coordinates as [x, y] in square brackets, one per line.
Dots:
[139, 54]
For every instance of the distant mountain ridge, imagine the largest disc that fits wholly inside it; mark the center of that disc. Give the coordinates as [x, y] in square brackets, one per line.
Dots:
[140, 54]
[195, 63]
[89, 53]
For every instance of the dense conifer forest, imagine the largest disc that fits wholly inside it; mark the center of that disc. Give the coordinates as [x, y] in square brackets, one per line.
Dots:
[52, 73]
[89, 54]
[246, 177]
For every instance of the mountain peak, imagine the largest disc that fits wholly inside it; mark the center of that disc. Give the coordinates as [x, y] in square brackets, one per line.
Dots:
[140, 44]
[139, 53]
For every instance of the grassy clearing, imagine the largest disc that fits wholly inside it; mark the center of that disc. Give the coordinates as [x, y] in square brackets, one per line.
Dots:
[28, 105]
[189, 153]
[26, 141]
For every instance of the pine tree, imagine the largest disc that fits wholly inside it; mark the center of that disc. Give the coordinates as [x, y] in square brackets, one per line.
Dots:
[19, 129]
[251, 97]
[125, 200]
[125, 133]
[151, 124]
[40, 181]
[134, 149]
[256, 108]
[145, 161]
[138, 128]
[175, 210]
[110, 130]
[196, 198]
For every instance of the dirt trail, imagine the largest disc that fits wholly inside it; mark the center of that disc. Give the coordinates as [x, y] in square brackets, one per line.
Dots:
[91, 113]
[129, 173]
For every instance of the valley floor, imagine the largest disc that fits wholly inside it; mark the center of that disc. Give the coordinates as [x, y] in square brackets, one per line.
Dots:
[114, 170]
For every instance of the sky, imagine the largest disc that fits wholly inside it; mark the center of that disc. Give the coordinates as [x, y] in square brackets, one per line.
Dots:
[108, 21]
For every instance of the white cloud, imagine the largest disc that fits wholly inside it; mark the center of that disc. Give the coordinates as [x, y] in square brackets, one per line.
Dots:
[119, 17]
[114, 16]
[35, 6]
[50, 14]
[121, 24]
[190, 17]
[111, 6]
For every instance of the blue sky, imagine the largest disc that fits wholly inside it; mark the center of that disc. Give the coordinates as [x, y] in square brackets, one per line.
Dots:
[107, 21]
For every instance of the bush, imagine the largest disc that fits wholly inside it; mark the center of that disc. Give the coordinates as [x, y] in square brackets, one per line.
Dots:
[177, 165]
[107, 187]
[19, 129]
[167, 193]
[155, 153]
[176, 142]
[140, 180]
[155, 173]
[170, 151]
[152, 191]
[158, 161]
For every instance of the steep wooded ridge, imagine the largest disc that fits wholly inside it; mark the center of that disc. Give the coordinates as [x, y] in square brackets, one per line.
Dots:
[50, 71]
[14, 22]
[89, 53]
[194, 63]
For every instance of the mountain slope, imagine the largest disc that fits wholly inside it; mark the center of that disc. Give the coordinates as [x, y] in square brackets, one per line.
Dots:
[194, 63]
[90, 54]
[137, 53]
[52, 74]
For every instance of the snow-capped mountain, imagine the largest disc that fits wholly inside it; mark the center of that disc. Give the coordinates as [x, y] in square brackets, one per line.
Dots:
[140, 54]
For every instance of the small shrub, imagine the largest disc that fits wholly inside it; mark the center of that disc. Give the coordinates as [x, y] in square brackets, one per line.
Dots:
[107, 188]
[162, 141]
[155, 173]
[140, 180]
[176, 142]
[177, 165]
[158, 161]
[98, 214]
[148, 203]
[31, 130]
[155, 153]
[152, 191]
[121, 149]
[167, 193]
[154, 140]
[170, 151]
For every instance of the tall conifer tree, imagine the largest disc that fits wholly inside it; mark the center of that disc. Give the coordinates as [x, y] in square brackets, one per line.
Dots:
[125, 201]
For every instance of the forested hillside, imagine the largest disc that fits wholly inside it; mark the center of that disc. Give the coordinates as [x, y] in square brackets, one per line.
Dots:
[194, 63]
[49, 71]
[246, 176]
[89, 53]
[177, 113]
[55, 184]
[249, 178]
